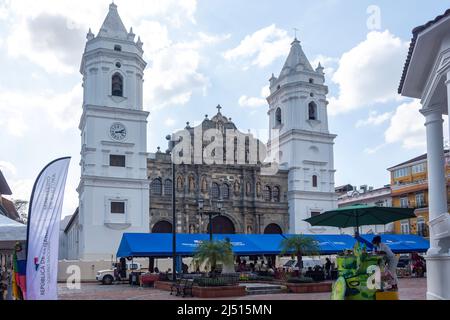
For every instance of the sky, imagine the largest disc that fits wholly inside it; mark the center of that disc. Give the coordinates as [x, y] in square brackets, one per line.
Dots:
[204, 53]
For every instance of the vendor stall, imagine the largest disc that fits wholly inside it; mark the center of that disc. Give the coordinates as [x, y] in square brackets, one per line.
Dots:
[363, 276]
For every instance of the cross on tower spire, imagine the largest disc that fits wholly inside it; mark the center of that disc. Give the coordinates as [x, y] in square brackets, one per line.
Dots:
[295, 32]
[218, 108]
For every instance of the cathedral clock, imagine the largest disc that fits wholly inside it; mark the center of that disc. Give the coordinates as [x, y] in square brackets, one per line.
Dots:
[118, 131]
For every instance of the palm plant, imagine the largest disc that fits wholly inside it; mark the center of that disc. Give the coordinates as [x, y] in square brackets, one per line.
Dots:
[214, 252]
[299, 245]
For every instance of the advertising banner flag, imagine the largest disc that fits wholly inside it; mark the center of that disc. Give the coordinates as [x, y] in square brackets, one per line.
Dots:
[44, 216]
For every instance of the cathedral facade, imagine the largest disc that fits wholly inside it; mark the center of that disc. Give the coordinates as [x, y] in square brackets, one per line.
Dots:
[251, 201]
[256, 187]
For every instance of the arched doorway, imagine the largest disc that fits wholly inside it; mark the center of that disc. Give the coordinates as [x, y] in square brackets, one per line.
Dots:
[162, 227]
[221, 225]
[273, 228]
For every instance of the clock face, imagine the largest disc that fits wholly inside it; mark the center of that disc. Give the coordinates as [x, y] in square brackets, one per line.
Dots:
[118, 131]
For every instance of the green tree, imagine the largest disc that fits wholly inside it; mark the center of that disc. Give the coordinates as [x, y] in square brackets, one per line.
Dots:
[214, 252]
[300, 246]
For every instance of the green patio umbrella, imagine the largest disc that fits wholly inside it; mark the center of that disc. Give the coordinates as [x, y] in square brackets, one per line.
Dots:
[360, 215]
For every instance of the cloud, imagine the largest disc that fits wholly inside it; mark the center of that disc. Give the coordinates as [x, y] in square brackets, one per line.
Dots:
[6, 166]
[169, 122]
[52, 33]
[20, 109]
[255, 102]
[369, 72]
[174, 78]
[374, 149]
[262, 47]
[21, 188]
[48, 41]
[374, 119]
[407, 128]
[328, 63]
[175, 71]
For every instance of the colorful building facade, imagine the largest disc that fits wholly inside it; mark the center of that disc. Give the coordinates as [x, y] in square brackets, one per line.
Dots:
[409, 189]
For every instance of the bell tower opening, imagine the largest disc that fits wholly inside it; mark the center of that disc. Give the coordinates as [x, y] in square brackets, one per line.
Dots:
[117, 85]
[312, 111]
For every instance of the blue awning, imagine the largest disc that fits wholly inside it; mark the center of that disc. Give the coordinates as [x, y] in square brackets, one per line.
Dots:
[400, 243]
[160, 244]
[331, 243]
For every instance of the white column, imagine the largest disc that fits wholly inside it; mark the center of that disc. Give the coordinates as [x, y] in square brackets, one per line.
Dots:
[437, 193]
[438, 258]
[447, 83]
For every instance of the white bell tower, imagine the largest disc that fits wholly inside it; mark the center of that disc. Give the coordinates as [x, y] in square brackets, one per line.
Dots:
[298, 125]
[113, 190]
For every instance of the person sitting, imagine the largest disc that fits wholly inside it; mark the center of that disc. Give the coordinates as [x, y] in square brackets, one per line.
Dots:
[156, 270]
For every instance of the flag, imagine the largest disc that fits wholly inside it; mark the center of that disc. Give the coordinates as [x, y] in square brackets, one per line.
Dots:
[44, 216]
[18, 273]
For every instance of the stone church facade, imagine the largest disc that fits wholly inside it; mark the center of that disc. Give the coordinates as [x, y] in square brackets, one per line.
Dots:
[252, 201]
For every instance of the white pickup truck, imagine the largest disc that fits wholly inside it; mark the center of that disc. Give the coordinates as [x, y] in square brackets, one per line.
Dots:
[111, 275]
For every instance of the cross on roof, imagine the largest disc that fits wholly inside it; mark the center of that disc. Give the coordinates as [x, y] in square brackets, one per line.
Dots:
[218, 108]
[295, 32]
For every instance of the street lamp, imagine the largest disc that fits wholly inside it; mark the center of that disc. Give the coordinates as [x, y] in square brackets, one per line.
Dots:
[171, 145]
[210, 214]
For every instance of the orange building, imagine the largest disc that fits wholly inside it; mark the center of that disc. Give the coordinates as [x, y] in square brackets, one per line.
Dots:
[409, 188]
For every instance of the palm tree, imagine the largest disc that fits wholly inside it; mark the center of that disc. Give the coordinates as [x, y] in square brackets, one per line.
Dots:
[213, 252]
[299, 245]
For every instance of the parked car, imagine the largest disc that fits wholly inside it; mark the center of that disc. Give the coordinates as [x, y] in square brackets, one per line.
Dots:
[307, 263]
[110, 275]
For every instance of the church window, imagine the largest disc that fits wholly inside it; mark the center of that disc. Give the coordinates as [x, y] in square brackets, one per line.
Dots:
[215, 191]
[278, 117]
[314, 213]
[312, 111]
[156, 187]
[276, 194]
[168, 187]
[118, 207]
[314, 181]
[117, 85]
[311, 80]
[116, 160]
[117, 48]
[118, 65]
[267, 193]
[225, 191]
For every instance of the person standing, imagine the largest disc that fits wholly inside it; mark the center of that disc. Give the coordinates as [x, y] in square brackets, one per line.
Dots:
[391, 258]
[328, 268]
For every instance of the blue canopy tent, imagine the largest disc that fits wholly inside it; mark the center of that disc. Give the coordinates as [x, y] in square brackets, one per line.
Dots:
[160, 244]
[399, 243]
[331, 243]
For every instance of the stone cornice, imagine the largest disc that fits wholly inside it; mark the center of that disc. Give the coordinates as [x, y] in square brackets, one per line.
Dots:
[105, 112]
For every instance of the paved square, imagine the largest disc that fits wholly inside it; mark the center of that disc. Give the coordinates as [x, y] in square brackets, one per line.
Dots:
[410, 289]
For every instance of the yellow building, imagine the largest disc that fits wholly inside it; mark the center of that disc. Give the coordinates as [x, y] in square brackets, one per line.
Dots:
[409, 188]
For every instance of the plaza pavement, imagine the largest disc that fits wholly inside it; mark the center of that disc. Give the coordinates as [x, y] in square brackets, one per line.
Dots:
[410, 289]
